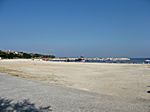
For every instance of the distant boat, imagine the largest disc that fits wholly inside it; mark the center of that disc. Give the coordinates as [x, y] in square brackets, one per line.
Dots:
[147, 61]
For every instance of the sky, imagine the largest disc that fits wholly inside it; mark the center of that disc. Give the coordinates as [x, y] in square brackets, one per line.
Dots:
[71, 28]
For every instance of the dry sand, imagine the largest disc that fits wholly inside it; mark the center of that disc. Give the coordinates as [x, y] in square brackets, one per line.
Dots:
[127, 81]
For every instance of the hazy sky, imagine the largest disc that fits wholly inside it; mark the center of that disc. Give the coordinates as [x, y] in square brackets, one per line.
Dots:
[101, 28]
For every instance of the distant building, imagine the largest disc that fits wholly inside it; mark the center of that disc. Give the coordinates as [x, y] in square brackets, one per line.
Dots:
[16, 52]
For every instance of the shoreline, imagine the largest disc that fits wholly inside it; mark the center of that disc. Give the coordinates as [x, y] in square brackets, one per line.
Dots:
[40, 60]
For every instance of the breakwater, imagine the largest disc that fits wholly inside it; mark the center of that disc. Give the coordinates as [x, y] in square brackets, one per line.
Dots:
[102, 60]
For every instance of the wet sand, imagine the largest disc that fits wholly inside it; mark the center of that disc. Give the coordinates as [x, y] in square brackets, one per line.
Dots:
[126, 81]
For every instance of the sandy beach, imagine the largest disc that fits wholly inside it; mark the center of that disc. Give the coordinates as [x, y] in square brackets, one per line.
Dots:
[127, 81]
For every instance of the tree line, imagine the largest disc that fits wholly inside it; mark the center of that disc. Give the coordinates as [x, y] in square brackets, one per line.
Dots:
[14, 55]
